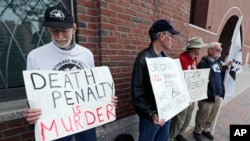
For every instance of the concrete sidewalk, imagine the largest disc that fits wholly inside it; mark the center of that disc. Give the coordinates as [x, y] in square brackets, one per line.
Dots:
[234, 110]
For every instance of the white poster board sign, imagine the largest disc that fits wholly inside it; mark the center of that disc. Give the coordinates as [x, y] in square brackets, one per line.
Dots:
[197, 81]
[71, 101]
[170, 90]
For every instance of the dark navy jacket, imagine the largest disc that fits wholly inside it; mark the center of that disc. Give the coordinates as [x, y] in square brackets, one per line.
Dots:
[215, 68]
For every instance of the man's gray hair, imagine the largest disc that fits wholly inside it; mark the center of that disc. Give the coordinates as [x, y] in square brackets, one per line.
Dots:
[155, 36]
[212, 45]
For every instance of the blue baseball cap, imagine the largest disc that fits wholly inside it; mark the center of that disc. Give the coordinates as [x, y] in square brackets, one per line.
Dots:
[161, 26]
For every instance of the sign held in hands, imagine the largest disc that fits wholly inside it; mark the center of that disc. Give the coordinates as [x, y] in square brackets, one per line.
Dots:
[197, 81]
[71, 101]
[170, 91]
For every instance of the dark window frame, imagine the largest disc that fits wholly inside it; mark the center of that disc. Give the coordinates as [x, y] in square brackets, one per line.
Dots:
[199, 13]
[18, 92]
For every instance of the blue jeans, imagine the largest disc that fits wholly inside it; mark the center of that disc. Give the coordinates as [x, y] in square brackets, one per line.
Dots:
[88, 135]
[148, 131]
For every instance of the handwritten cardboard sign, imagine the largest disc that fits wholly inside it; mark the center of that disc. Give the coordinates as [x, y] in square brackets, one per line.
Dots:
[71, 101]
[170, 90]
[197, 81]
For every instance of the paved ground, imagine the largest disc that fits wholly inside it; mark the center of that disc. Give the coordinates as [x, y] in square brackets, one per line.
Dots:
[234, 110]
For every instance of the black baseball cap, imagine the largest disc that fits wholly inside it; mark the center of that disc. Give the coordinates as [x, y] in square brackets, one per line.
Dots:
[58, 17]
[161, 26]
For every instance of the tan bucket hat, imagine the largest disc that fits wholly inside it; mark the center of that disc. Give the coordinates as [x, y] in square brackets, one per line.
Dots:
[195, 42]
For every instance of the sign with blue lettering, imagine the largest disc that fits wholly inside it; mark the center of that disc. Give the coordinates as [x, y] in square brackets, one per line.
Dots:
[197, 81]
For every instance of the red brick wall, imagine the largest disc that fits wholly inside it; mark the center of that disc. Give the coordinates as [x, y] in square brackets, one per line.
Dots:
[116, 30]
[219, 12]
[16, 130]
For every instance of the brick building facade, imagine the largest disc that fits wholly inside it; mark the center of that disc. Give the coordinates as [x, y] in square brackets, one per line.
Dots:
[116, 30]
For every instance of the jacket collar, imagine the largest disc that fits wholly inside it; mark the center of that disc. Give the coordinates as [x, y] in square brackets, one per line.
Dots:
[151, 49]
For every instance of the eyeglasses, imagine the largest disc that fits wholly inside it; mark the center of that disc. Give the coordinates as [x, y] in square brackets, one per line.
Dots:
[219, 49]
[168, 34]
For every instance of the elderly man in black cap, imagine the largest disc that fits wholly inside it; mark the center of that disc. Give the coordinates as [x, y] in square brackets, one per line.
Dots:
[151, 128]
[61, 54]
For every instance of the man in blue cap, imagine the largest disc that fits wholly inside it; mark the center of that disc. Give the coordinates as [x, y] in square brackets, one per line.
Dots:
[61, 54]
[151, 128]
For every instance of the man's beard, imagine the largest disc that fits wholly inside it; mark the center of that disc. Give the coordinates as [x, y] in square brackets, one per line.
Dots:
[218, 56]
[66, 46]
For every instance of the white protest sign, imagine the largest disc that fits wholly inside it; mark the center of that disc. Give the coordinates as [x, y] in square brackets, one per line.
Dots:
[71, 101]
[170, 90]
[197, 81]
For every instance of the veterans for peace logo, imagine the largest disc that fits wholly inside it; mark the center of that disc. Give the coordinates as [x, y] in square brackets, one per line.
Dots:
[57, 14]
[68, 65]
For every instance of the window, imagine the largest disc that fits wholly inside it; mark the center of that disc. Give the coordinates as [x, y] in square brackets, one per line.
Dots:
[198, 13]
[21, 31]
